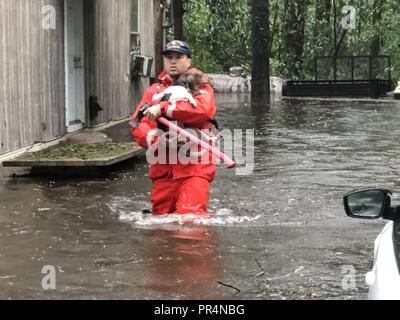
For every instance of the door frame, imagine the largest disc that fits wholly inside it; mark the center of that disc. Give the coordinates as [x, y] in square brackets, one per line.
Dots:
[75, 114]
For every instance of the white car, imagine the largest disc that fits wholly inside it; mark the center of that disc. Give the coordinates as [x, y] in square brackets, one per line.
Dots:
[384, 279]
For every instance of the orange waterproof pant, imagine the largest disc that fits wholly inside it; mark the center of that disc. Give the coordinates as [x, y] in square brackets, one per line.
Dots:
[182, 196]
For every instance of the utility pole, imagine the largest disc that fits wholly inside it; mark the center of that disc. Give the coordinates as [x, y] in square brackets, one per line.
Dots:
[158, 11]
[178, 19]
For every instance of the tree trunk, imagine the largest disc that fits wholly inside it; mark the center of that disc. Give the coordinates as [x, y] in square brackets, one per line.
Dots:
[274, 27]
[178, 19]
[376, 18]
[339, 43]
[260, 38]
[322, 19]
[158, 37]
[293, 37]
[328, 6]
[285, 6]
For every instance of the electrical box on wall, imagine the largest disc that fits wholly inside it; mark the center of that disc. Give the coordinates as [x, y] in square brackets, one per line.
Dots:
[141, 66]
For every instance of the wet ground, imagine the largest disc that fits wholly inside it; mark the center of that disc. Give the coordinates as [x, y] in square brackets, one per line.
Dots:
[280, 233]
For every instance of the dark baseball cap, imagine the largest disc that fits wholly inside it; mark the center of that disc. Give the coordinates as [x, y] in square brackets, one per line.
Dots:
[179, 47]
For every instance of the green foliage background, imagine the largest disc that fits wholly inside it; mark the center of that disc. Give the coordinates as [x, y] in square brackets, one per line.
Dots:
[219, 31]
[219, 35]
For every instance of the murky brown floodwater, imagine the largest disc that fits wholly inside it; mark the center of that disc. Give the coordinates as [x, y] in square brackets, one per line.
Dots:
[280, 233]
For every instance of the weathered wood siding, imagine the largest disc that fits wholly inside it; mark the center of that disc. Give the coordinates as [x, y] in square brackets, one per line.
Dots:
[107, 56]
[146, 29]
[107, 40]
[32, 98]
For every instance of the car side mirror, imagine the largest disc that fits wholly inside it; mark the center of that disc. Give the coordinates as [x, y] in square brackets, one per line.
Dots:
[368, 203]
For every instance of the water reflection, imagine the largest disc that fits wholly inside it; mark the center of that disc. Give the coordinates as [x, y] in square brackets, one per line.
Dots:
[184, 261]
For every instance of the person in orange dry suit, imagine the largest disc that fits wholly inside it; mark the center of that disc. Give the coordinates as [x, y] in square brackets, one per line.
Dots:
[181, 188]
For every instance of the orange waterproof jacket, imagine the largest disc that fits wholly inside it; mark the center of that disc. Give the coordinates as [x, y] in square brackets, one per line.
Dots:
[198, 117]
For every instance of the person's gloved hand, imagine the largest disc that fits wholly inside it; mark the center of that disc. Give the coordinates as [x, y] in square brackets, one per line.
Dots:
[153, 112]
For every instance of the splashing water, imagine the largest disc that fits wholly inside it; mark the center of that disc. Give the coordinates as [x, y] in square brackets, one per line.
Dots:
[125, 209]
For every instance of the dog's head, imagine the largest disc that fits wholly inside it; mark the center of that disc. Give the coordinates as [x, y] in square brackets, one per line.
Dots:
[194, 79]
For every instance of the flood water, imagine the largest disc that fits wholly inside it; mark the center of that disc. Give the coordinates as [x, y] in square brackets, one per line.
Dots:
[279, 233]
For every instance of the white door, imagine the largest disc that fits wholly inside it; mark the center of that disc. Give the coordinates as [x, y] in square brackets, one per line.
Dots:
[74, 63]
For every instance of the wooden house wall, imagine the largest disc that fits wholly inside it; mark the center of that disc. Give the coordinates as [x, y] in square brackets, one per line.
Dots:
[32, 76]
[32, 98]
[107, 57]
